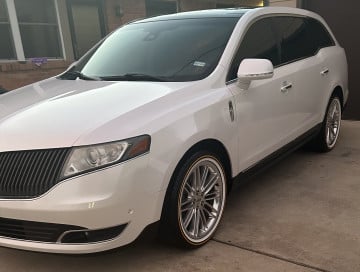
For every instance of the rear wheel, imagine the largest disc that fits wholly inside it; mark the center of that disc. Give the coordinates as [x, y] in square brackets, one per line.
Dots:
[330, 130]
[195, 201]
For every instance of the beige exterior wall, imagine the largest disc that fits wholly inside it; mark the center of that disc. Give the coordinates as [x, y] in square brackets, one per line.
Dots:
[283, 3]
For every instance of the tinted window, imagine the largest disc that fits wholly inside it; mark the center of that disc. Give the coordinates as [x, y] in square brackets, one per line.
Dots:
[294, 38]
[300, 37]
[173, 50]
[258, 42]
[321, 37]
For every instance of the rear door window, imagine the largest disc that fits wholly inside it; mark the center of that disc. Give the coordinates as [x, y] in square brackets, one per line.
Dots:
[300, 37]
[321, 36]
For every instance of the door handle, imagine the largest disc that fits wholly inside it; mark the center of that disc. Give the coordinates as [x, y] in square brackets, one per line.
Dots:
[286, 87]
[325, 72]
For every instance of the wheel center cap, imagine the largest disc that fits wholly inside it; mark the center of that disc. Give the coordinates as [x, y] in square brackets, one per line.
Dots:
[198, 199]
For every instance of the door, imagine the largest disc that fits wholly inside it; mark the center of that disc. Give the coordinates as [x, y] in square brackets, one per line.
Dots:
[264, 111]
[301, 43]
[86, 24]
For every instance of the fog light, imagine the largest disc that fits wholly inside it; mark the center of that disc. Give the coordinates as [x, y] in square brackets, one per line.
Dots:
[91, 236]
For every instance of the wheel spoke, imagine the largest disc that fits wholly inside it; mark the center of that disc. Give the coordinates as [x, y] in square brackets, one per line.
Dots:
[187, 209]
[333, 111]
[332, 133]
[196, 223]
[211, 183]
[327, 135]
[209, 213]
[204, 177]
[203, 218]
[185, 206]
[211, 194]
[211, 210]
[334, 130]
[213, 197]
[188, 188]
[188, 218]
[197, 183]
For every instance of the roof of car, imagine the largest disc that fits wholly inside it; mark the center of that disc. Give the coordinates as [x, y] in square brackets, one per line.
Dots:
[210, 13]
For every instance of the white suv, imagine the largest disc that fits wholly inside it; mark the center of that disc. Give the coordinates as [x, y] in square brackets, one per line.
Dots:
[157, 120]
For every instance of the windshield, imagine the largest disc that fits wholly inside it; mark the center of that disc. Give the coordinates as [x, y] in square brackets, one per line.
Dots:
[172, 50]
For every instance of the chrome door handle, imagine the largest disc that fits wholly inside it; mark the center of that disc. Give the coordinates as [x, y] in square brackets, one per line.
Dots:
[286, 87]
[325, 72]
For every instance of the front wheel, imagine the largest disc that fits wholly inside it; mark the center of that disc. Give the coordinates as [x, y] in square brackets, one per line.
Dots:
[329, 134]
[195, 201]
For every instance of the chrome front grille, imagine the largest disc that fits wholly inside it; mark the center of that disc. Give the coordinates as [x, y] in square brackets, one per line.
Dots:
[28, 174]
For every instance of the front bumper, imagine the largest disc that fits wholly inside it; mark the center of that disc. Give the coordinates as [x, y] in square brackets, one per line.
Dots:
[124, 194]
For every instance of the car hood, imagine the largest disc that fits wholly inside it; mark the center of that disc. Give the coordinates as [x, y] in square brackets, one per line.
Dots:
[57, 113]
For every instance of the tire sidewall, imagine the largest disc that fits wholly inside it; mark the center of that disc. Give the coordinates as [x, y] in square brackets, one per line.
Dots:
[171, 219]
[324, 128]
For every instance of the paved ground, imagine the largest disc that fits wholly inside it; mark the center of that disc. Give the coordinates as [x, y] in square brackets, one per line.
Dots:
[302, 215]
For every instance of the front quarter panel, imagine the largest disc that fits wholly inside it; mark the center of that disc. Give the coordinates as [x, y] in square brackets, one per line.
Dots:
[175, 123]
[206, 117]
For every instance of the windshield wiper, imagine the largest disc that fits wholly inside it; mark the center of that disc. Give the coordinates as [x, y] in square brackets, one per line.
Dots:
[72, 75]
[133, 77]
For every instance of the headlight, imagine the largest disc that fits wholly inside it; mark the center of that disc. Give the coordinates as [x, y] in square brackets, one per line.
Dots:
[89, 158]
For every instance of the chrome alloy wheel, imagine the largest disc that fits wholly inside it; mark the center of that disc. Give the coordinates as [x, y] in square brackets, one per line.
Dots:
[333, 122]
[202, 200]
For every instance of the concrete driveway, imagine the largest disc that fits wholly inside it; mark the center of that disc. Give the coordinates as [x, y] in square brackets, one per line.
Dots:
[301, 215]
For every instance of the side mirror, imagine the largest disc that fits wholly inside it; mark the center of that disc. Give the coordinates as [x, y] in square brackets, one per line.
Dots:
[255, 69]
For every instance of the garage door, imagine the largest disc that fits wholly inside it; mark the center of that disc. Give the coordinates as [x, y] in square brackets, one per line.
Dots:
[343, 18]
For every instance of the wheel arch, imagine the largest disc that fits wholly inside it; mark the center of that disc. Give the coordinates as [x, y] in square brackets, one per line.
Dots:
[167, 217]
[211, 145]
[338, 90]
[214, 146]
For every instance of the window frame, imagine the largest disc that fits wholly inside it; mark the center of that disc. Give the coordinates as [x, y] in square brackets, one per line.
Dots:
[16, 35]
[252, 22]
[8, 23]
